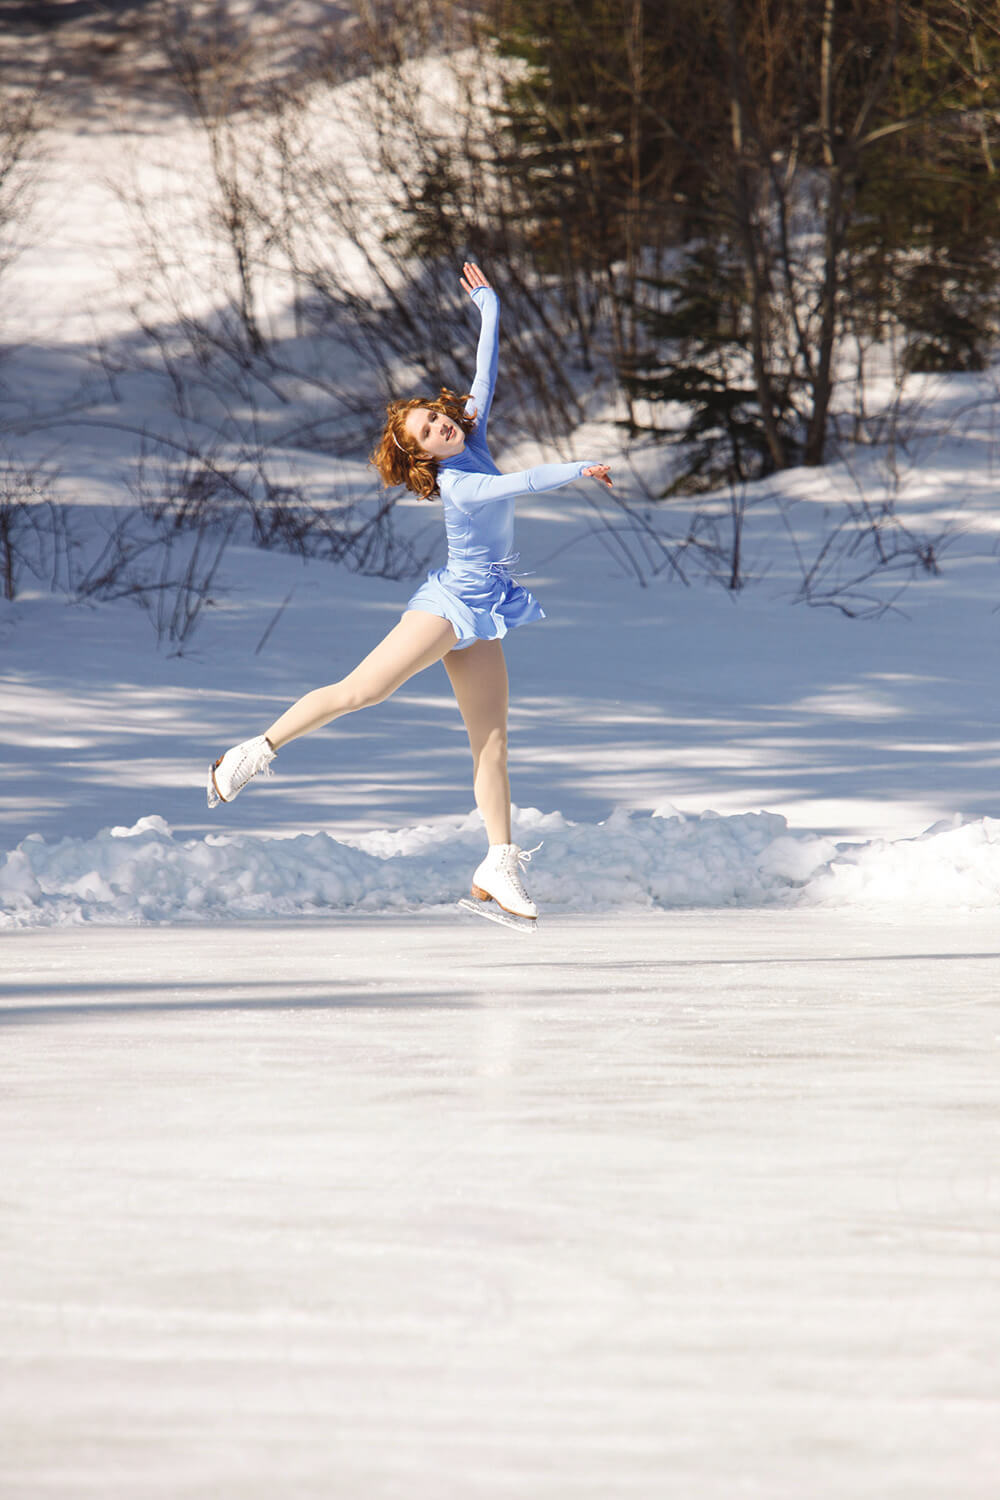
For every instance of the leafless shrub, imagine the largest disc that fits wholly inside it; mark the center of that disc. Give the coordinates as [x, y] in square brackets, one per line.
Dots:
[867, 546]
[35, 532]
[183, 489]
[373, 232]
[338, 205]
[22, 123]
[168, 573]
[186, 486]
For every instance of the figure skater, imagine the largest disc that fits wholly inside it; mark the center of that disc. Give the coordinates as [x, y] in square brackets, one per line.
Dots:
[459, 615]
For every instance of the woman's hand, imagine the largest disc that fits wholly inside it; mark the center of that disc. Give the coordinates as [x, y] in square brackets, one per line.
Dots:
[601, 472]
[472, 278]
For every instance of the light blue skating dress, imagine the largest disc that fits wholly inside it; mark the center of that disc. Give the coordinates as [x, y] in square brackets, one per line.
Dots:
[475, 591]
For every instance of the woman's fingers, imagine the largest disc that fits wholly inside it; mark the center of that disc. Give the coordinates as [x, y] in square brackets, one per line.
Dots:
[601, 472]
[472, 277]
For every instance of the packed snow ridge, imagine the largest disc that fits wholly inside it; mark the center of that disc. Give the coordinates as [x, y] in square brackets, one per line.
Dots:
[663, 861]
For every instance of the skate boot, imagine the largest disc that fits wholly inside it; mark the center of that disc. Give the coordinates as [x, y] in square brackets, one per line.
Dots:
[231, 772]
[498, 879]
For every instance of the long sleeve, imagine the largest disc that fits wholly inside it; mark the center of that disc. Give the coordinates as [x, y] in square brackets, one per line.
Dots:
[470, 489]
[487, 353]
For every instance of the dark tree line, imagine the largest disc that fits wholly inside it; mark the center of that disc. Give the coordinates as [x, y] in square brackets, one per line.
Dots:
[720, 206]
[750, 188]
[726, 213]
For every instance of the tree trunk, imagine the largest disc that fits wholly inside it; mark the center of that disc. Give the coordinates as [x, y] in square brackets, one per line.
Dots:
[822, 381]
[757, 287]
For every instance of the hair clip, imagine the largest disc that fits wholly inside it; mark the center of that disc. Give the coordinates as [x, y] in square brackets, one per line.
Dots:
[400, 446]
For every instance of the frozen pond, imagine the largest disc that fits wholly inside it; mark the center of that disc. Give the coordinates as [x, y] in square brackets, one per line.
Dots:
[697, 1205]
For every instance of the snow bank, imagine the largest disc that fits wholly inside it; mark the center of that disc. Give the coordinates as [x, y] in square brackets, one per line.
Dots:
[664, 861]
[954, 866]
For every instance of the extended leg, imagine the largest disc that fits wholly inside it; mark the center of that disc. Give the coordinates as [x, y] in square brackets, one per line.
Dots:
[415, 643]
[418, 640]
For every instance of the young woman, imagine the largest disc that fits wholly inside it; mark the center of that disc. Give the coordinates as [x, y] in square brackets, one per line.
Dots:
[462, 612]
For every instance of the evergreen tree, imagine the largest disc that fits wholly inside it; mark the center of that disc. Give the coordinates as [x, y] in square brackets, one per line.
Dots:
[697, 364]
[601, 180]
[837, 159]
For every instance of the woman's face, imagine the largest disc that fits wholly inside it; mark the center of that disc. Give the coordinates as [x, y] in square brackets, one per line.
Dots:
[434, 433]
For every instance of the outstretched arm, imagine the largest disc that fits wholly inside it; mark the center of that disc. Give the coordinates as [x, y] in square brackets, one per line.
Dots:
[467, 490]
[474, 282]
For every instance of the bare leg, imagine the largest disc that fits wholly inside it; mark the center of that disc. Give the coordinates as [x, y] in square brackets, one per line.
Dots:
[479, 679]
[416, 642]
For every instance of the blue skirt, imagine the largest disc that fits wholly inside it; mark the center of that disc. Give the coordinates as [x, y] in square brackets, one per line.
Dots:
[481, 606]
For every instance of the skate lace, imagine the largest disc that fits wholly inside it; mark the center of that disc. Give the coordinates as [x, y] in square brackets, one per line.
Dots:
[254, 763]
[515, 862]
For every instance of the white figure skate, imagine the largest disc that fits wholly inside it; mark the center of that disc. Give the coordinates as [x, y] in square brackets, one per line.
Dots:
[498, 890]
[231, 772]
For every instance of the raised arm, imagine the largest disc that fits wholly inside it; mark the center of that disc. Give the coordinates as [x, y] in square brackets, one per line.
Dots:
[474, 282]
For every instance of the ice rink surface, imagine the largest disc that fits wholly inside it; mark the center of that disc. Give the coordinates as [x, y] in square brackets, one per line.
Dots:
[699, 1205]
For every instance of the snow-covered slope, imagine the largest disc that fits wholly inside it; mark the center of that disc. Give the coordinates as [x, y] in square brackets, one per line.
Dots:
[635, 695]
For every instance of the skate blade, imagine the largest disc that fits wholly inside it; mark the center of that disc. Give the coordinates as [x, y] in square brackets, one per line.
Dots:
[212, 791]
[494, 913]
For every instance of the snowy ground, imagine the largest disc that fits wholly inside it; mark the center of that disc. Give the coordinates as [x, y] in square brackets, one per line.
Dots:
[689, 1205]
[311, 1186]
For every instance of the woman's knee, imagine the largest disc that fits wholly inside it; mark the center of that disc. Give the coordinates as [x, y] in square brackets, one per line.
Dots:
[491, 752]
[363, 691]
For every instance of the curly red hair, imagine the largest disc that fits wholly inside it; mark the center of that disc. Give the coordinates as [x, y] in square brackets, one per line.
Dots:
[399, 460]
